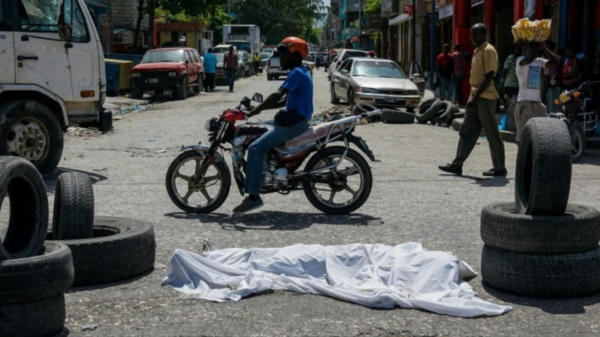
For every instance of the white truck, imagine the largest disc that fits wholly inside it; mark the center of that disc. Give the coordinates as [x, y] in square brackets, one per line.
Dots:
[51, 74]
[243, 37]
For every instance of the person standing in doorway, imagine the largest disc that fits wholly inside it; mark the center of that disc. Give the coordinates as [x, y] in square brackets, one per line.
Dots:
[445, 72]
[231, 67]
[571, 71]
[481, 108]
[510, 84]
[460, 59]
[210, 69]
[529, 72]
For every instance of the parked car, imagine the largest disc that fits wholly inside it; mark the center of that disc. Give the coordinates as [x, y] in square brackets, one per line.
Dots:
[380, 82]
[343, 56]
[176, 69]
[274, 68]
[219, 52]
[264, 57]
[245, 68]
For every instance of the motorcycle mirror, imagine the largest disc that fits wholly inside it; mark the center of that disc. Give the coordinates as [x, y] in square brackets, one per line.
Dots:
[245, 102]
[257, 97]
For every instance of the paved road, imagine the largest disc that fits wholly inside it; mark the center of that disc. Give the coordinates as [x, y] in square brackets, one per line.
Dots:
[411, 201]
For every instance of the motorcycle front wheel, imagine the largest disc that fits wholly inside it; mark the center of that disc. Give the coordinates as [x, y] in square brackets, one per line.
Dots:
[577, 142]
[353, 181]
[208, 194]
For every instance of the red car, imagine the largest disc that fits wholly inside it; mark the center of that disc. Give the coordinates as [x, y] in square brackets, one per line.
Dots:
[162, 69]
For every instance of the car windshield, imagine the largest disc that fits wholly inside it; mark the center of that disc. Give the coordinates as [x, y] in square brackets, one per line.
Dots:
[380, 69]
[220, 57]
[242, 46]
[354, 53]
[163, 56]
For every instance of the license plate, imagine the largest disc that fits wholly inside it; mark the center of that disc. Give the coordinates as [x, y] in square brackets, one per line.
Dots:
[153, 80]
[390, 100]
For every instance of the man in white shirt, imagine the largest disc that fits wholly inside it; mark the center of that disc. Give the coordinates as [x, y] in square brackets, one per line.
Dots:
[529, 72]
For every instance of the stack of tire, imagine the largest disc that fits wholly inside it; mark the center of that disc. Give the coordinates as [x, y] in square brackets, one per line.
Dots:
[541, 245]
[34, 274]
[437, 112]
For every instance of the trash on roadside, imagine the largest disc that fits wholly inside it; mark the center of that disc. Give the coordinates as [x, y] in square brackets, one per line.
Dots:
[332, 114]
[88, 327]
[152, 139]
[75, 130]
[160, 151]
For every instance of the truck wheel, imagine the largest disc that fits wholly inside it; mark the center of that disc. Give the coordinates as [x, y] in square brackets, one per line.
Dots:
[269, 78]
[73, 216]
[182, 90]
[30, 130]
[45, 317]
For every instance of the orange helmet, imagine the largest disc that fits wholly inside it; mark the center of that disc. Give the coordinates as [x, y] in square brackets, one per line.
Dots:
[294, 44]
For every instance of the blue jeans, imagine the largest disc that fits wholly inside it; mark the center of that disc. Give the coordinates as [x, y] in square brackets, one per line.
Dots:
[269, 140]
[230, 73]
[458, 96]
[446, 89]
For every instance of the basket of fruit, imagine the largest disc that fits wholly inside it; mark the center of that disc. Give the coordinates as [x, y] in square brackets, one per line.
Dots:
[533, 31]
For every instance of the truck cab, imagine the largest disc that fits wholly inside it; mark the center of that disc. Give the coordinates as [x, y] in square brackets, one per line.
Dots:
[51, 75]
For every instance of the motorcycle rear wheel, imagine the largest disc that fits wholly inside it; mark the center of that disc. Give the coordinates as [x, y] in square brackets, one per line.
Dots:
[208, 195]
[577, 142]
[354, 173]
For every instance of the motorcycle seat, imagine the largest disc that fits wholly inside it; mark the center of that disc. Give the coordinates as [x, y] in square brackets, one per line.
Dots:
[317, 132]
[252, 129]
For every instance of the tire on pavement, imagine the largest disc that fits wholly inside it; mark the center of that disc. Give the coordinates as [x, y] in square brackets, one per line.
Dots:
[576, 231]
[395, 116]
[45, 317]
[566, 275]
[73, 216]
[37, 277]
[543, 172]
[427, 112]
[446, 112]
[28, 221]
[121, 248]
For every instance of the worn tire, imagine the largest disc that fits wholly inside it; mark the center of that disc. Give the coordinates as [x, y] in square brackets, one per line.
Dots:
[395, 116]
[28, 221]
[543, 172]
[577, 231]
[427, 111]
[334, 98]
[182, 89]
[25, 125]
[37, 277]
[73, 216]
[121, 248]
[577, 143]
[566, 275]
[45, 317]
[446, 111]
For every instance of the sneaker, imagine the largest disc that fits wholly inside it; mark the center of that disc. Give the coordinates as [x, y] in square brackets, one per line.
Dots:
[454, 169]
[248, 205]
[495, 173]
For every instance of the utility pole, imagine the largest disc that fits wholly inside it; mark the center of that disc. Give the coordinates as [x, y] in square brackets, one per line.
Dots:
[359, 22]
[414, 32]
[432, 46]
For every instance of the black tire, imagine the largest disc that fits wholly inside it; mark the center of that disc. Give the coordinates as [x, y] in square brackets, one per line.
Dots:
[543, 172]
[220, 168]
[410, 110]
[334, 98]
[395, 116]
[446, 111]
[28, 221]
[577, 231]
[182, 89]
[566, 275]
[73, 216]
[427, 112]
[37, 277]
[351, 101]
[138, 93]
[269, 77]
[31, 130]
[365, 188]
[577, 142]
[45, 317]
[120, 249]
[200, 83]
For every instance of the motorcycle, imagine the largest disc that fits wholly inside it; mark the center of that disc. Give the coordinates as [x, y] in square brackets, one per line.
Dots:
[580, 112]
[336, 179]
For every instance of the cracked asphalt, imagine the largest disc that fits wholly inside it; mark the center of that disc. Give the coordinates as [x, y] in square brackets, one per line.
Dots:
[411, 200]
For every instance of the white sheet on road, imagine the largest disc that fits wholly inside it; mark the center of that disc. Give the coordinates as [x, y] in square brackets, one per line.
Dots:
[373, 275]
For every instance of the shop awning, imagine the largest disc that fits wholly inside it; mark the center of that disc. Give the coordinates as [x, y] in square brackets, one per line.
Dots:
[398, 19]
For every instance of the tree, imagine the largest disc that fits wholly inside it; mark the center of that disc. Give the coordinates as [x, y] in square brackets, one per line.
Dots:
[373, 6]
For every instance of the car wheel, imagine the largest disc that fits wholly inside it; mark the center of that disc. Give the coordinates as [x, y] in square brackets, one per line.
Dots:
[334, 98]
[351, 97]
[182, 90]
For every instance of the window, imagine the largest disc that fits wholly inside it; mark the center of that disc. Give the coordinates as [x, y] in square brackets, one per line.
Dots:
[39, 15]
[163, 56]
[196, 56]
[5, 21]
[76, 20]
[187, 56]
[378, 69]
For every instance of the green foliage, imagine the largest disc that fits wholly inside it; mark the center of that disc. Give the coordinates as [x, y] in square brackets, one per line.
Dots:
[373, 6]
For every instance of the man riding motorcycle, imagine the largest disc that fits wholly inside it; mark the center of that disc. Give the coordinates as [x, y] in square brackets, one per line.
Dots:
[296, 95]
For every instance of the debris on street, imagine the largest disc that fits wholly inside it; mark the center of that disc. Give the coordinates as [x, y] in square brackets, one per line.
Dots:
[75, 130]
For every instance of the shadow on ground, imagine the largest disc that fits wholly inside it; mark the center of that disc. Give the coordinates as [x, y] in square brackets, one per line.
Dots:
[483, 182]
[561, 306]
[276, 220]
[50, 179]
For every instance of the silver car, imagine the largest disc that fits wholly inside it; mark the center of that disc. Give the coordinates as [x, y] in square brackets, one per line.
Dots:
[379, 82]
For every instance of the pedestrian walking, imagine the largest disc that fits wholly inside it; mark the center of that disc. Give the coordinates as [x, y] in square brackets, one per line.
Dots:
[210, 70]
[460, 59]
[571, 75]
[231, 67]
[445, 72]
[510, 84]
[480, 112]
[256, 63]
[529, 73]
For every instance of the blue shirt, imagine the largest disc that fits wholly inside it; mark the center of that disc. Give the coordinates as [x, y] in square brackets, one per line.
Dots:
[300, 95]
[210, 63]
